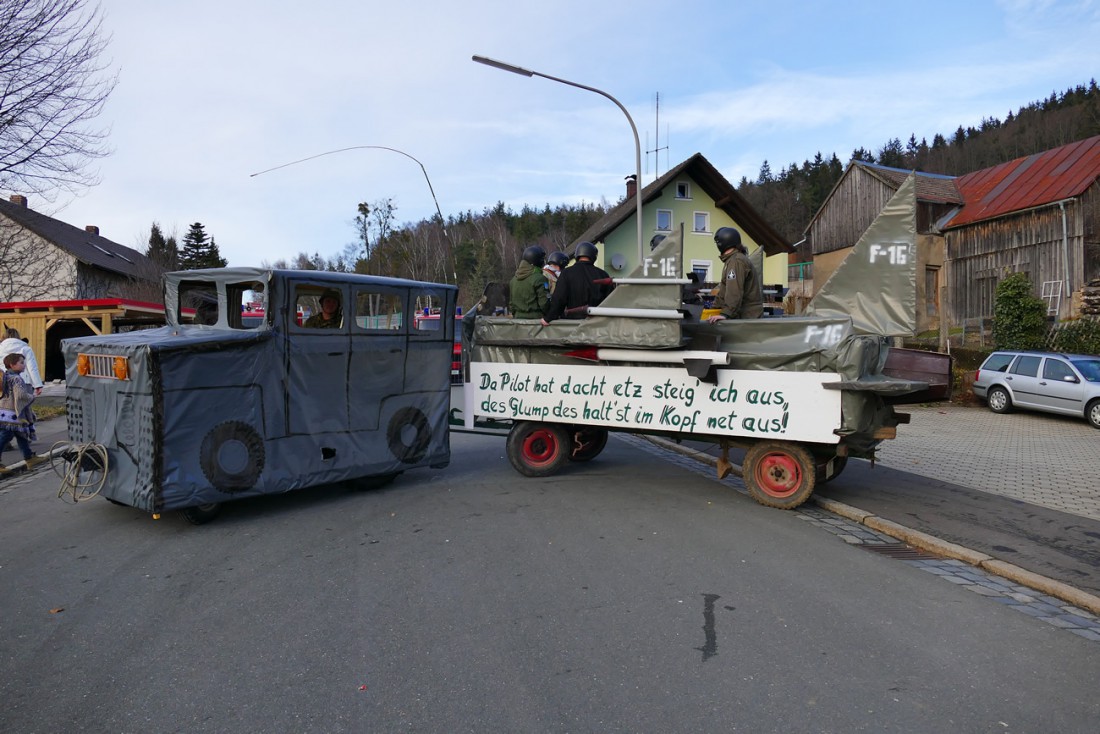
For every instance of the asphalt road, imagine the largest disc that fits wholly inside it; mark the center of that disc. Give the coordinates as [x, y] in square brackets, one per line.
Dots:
[626, 594]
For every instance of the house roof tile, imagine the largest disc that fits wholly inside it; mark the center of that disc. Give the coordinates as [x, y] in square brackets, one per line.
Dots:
[88, 248]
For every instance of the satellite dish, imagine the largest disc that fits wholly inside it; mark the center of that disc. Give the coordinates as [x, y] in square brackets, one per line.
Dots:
[618, 261]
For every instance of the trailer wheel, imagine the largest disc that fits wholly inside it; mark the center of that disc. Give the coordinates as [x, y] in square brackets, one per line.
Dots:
[201, 514]
[232, 456]
[779, 474]
[538, 449]
[822, 468]
[588, 443]
[409, 435]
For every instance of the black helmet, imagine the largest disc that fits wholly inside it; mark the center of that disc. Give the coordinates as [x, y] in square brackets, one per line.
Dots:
[535, 255]
[657, 239]
[728, 238]
[586, 249]
[557, 257]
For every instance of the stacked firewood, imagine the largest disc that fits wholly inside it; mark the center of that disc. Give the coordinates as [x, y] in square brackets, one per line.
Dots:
[1090, 298]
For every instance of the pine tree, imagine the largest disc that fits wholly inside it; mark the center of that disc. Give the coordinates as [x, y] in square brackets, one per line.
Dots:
[163, 251]
[199, 250]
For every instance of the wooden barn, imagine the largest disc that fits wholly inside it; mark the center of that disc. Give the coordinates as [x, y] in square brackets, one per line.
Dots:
[858, 197]
[1039, 215]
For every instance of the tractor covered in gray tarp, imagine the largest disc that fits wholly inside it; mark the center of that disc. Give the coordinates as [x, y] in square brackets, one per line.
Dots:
[229, 401]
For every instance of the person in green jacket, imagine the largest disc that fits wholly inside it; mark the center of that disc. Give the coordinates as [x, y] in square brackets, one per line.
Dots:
[529, 291]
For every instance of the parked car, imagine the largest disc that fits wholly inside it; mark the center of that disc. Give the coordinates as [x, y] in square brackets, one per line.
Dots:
[1068, 384]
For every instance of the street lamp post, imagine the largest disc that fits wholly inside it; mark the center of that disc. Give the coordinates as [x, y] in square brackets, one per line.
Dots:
[442, 221]
[637, 143]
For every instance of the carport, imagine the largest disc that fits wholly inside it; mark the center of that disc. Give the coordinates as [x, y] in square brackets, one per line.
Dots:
[43, 324]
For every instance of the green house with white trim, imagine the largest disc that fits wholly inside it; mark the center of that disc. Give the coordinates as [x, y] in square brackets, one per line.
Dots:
[695, 200]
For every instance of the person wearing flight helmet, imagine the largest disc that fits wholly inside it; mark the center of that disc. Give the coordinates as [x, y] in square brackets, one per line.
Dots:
[528, 292]
[555, 263]
[580, 284]
[329, 317]
[740, 295]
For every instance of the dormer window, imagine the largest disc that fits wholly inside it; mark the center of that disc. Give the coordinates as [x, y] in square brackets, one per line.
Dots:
[683, 190]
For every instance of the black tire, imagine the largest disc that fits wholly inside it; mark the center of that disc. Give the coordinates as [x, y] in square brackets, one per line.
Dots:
[201, 514]
[409, 435]
[232, 456]
[376, 482]
[998, 400]
[588, 443]
[538, 449]
[821, 470]
[779, 474]
[1092, 413]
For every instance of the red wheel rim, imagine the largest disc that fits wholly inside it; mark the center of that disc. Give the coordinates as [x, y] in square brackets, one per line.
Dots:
[539, 447]
[778, 475]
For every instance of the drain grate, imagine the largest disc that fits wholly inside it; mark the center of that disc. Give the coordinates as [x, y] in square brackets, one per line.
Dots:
[899, 550]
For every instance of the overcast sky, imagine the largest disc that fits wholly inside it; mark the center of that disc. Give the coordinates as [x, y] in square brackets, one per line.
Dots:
[211, 92]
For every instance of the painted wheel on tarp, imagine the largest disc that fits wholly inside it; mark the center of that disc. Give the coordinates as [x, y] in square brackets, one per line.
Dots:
[538, 449]
[588, 443]
[779, 474]
[409, 435]
[821, 469]
[232, 456]
[202, 513]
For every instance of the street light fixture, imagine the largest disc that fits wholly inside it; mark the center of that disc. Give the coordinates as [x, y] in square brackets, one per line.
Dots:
[442, 221]
[637, 143]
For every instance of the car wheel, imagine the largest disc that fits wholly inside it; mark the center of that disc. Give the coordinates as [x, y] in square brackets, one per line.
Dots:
[1092, 413]
[998, 400]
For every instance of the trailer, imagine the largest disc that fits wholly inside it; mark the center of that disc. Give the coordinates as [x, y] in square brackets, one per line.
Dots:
[801, 394]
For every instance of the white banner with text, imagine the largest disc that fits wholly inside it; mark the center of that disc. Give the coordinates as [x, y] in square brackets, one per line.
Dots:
[792, 406]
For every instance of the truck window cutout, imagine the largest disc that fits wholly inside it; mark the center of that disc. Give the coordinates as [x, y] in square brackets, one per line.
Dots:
[249, 305]
[379, 311]
[202, 298]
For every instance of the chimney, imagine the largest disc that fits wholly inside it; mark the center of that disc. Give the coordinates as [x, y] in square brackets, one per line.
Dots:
[631, 185]
[91, 229]
[19, 199]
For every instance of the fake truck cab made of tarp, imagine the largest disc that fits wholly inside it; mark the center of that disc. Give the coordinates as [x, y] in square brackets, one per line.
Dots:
[801, 394]
[248, 402]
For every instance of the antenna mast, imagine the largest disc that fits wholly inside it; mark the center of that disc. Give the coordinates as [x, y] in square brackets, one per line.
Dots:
[656, 150]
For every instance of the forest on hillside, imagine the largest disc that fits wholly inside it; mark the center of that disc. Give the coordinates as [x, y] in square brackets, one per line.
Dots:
[474, 248]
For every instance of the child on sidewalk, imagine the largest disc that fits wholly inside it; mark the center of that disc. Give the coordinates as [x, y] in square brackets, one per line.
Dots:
[16, 417]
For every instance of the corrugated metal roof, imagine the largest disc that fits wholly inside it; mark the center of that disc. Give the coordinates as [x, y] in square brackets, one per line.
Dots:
[88, 248]
[1035, 180]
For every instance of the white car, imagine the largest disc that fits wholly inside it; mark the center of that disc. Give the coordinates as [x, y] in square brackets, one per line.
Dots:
[1068, 384]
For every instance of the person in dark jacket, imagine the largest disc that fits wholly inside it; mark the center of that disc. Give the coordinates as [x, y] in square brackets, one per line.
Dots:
[529, 292]
[740, 295]
[578, 286]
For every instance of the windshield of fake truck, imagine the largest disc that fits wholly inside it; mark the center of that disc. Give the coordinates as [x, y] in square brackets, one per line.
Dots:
[223, 304]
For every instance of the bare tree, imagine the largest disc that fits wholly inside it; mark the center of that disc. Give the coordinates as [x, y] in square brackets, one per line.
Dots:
[52, 86]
